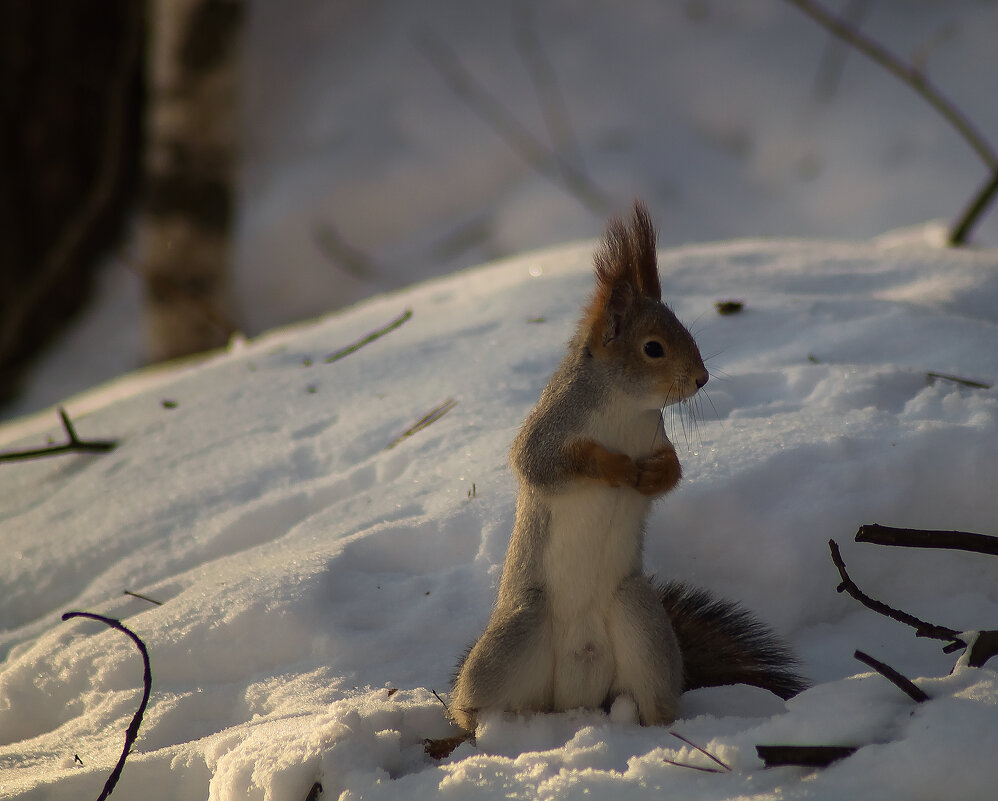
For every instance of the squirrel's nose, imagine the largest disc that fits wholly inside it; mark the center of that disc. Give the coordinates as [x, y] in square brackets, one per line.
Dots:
[702, 379]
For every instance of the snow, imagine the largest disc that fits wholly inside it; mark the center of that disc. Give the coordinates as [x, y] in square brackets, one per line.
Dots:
[317, 586]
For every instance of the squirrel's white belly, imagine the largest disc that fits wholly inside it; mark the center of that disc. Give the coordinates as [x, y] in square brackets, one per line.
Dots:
[594, 542]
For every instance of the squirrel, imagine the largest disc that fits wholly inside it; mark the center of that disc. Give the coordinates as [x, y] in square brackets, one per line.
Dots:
[577, 622]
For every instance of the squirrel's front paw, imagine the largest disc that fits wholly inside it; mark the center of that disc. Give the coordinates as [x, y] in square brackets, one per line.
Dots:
[659, 473]
[610, 467]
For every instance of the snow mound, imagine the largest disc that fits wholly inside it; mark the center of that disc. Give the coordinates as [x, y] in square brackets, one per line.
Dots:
[319, 572]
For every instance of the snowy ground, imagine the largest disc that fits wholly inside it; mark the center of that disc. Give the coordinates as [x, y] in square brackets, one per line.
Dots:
[307, 571]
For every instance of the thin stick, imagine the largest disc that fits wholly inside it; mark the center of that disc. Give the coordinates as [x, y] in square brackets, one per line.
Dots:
[913, 76]
[907, 73]
[922, 629]
[133, 728]
[367, 340]
[702, 768]
[903, 683]
[955, 378]
[919, 538]
[143, 597]
[960, 230]
[442, 701]
[702, 750]
[428, 419]
[73, 445]
[546, 162]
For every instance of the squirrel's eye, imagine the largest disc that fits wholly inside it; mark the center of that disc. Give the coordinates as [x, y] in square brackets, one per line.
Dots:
[653, 349]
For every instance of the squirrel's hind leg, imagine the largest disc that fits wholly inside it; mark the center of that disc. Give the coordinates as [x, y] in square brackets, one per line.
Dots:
[648, 663]
[509, 668]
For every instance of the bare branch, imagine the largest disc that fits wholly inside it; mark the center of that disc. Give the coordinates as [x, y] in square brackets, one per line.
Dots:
[922, 629]
[961, 228]
[920, 538]
[74, 445]
[901, 682]
[915, 78]
[905, 72]
[724, 765]
[133, 727]
[545, 161]
[142, 597]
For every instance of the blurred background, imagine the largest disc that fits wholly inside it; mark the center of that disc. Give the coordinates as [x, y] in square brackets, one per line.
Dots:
[175, 172]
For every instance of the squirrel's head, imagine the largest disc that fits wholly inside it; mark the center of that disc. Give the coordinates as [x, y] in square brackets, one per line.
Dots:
[629, 329]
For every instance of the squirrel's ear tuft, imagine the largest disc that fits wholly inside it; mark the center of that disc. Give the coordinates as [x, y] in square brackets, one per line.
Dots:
[626, 267]
[627, 254]
[644, 254]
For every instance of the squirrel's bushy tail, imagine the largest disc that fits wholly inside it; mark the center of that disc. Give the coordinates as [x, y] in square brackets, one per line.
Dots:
[723, 643]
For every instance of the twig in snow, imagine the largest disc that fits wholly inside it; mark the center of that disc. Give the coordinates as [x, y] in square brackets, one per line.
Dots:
[142, 597]
[367, 340]
[914, 78]
[966, 382]
[922, 629]
[903, 683]
[133, 728]
[523, 143]
[724, 767]
[74, 445]
[442, 747]
[427, 419]
[919, 538]
[701, 768]
[807, 756]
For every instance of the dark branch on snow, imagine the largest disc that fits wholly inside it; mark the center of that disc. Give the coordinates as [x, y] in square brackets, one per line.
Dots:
[73, 445]
[903, 683]
[920, 538]
[133, 728]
